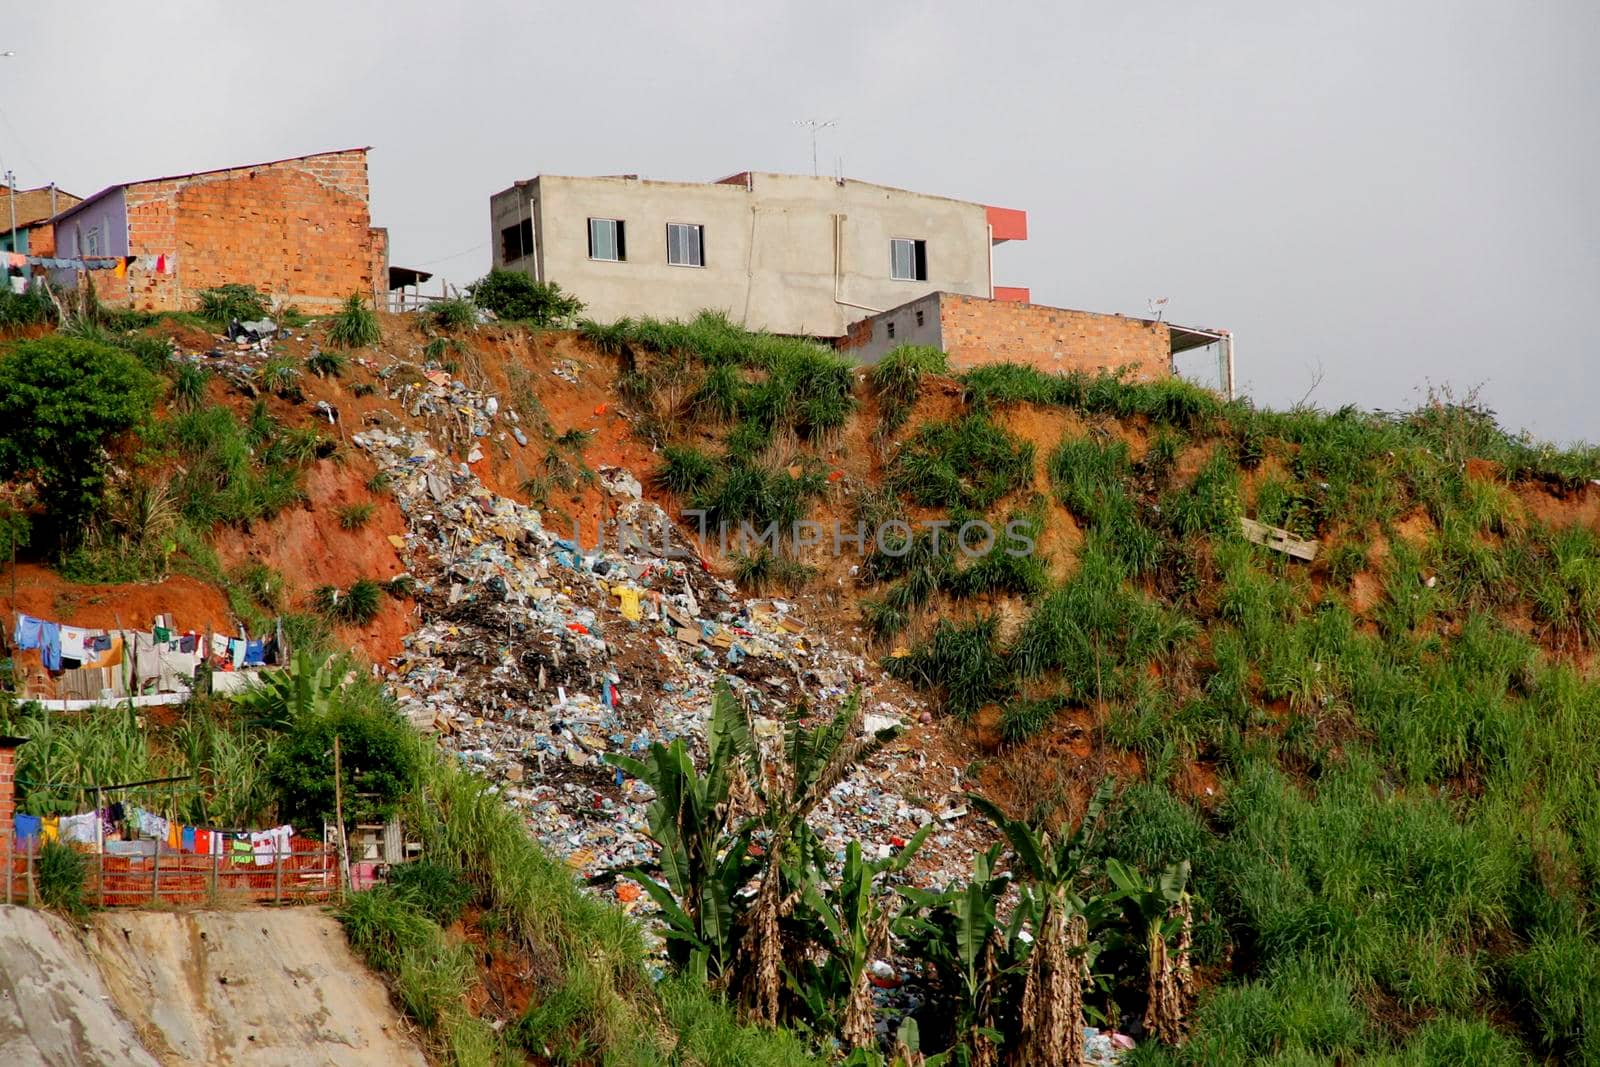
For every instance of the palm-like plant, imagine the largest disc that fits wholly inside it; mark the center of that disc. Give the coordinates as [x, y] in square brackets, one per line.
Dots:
[973, 959]
[705, 860]
[813, 760]
[1051, 1024]
[304, 688]
[851, 913]
[1160, 913]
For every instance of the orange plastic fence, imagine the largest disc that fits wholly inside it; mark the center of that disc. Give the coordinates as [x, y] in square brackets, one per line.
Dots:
[306, 874]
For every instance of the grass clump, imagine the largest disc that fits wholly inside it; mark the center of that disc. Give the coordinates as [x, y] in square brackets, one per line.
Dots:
[897, 381]
[325, 364]
[62, 871]
[355, 325]
[223, 304]
[355, 605]
[685, 470]
[968, 464]
[357, 515]
[452, 314]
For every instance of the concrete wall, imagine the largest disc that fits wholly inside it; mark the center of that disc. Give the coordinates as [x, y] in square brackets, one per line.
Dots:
[916, 323]
[770, 247]
[297, 229]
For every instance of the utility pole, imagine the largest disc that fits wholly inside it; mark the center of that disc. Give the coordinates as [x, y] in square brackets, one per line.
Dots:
[11, 179]
[11, 197]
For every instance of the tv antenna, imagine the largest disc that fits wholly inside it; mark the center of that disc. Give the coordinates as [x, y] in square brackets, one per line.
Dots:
[816, 125]
[1157, 306]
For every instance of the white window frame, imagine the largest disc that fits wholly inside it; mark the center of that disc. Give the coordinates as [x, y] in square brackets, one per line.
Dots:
[699, 244]
[619, 251]
[911, 243]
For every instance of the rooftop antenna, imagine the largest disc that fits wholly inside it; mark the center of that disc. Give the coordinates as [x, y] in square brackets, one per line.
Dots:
[816, 125]
[1157, 306]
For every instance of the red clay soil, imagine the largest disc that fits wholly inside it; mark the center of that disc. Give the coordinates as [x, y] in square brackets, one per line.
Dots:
[309, 548]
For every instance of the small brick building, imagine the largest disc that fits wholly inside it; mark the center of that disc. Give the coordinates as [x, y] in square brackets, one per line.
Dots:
[8, 786]
[973, 330]
[298, 229]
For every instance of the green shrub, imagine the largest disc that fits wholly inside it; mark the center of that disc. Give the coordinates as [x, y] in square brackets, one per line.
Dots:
[452, 314]
[61, 873]
[30, 308]
[897, 380]
[378, 759]
[62, 401]
[224, 303]
[963, 660]
[189, 385]
[514, 297]
[355, 325]
[685, 470]
[153, 353]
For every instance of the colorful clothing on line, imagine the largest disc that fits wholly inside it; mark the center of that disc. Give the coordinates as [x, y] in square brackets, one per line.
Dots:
[42, 634]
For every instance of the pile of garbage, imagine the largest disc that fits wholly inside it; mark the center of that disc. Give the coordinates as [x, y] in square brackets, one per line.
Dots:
[541, 650]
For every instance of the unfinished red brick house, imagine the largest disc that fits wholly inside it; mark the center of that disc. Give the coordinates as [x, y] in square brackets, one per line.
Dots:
[973, 330]
[297, 229]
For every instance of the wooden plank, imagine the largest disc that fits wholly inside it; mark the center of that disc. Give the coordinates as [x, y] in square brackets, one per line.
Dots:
[1279, 540]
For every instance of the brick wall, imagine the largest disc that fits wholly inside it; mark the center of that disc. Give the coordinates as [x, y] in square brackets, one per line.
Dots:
[299, 230]
[1056, 340]
[8, 797]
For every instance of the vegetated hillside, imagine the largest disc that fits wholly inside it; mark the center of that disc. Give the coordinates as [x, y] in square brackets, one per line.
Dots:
[1374, 766]
[1379, 765]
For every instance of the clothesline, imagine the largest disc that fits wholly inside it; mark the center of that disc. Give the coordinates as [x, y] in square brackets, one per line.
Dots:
[165, 263]
[91, 666]
[261, 847]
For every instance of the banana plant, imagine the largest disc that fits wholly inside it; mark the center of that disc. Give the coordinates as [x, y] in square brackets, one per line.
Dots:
[1160, 917]
[1050, 1028]
[973, 959]
[852, 928]
[303, 688]
[813, 760]
[705, 859]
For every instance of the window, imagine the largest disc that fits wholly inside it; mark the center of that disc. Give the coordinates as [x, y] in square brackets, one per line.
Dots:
[919, 316]
[889, 326]
[516, 241]
[686, 244]
[91, 242]
[606, 240]
[908, 260]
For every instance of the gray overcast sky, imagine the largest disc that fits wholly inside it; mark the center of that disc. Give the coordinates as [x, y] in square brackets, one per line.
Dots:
[1395, 193]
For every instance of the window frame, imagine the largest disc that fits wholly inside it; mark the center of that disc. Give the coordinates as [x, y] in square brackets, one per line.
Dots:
[521, 233]
[619, 239]
[699, 244]
[919, 259]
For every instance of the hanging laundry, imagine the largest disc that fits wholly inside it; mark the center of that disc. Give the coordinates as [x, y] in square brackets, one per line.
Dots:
[187, 839]
[161, 634]
[111, 655]
[255, 653]
[27, 829]
[122, 266]
[219, 647]
[187, 643]
[75, 644]
[263, 844]
[236, 650]
[239, 848]
[161, 264]
[174, 836]
[49, 828]
[177, 671]
[84, 828]
[16, 259]
[202, 841]
[41, 634]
